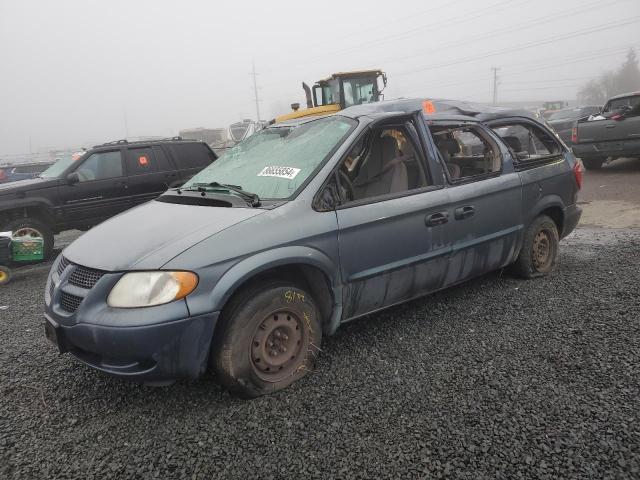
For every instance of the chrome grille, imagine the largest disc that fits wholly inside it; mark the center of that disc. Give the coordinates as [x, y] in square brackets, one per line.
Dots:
[85, 277]
[69, 302]
[62, 265]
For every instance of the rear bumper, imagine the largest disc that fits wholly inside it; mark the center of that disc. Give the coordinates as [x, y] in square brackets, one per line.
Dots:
[622, 148]
[158, 352]
[572, 216]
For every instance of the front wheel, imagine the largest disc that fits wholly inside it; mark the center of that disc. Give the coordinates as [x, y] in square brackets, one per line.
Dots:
[539, 252]
[270, 338]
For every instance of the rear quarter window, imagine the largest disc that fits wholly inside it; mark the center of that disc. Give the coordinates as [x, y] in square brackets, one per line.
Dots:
[191, 155]
[528, 142]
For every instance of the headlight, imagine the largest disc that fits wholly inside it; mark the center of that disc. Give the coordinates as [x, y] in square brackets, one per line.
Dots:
[146, 289]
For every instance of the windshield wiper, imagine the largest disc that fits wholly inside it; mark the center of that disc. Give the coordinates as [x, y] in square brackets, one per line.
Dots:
[252, 198]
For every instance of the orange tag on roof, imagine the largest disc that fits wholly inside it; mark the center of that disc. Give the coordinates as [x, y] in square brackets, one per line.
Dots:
[428, 107]
[143, 160]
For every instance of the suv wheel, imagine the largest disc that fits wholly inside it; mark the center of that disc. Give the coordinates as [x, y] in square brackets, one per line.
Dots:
[22, 227]
[539, 252]
[270, 338]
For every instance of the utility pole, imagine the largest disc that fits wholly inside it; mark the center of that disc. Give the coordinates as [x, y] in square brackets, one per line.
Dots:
[495, 84]
[255, 89]
[126, 124]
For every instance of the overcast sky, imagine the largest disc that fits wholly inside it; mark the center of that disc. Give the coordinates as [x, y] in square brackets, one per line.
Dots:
[77, 72]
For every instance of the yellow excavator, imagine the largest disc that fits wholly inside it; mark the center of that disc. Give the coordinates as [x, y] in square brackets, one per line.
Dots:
[340, 90]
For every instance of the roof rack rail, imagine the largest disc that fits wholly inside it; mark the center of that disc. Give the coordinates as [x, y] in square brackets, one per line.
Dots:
[151, 140]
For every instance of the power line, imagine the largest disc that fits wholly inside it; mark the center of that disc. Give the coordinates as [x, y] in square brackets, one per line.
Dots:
[389, 22]
[444, 23]
[495, 33]
[440, 24]
[574, 34]
[562, 60]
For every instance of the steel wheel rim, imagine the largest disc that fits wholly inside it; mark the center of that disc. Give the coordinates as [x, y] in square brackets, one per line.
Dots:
[277, 346]
[27, 231]
[541, 254]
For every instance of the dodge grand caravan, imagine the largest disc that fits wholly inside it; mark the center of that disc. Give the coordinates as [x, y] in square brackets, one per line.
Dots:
[307, 225]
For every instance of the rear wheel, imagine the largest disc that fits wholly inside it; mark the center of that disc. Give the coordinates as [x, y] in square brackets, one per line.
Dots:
[270, 338]
[593, 163]
[29, 226]
[539, 252]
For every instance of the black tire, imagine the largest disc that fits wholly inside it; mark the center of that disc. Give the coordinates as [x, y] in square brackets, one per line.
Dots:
[541, 237]
[593, 163]
[36, 225]
[269, 338]
[5, 275]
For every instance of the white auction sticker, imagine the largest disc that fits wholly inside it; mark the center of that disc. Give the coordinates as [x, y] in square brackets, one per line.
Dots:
[282, 172]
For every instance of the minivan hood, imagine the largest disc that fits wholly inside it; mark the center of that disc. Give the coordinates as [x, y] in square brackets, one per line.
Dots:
[148, 236]
[8, 188]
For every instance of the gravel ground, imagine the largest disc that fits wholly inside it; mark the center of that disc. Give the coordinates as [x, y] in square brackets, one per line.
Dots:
[499, 378]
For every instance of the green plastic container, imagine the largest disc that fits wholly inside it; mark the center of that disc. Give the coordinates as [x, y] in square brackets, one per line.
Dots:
[27, 249]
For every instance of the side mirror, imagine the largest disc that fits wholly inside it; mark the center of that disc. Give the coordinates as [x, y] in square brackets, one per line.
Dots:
[73, 178]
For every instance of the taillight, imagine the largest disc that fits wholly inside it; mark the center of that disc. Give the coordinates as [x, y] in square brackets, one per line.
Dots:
[3, 175]
[578, 171]
[574, 135]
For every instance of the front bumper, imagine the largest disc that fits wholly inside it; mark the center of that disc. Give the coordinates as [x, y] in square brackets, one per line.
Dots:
[150, 353]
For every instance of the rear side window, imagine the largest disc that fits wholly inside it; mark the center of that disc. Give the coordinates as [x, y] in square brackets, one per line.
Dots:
[191, 155]
[467, 152]
[141, 161]
[619, 103]
[528, 142]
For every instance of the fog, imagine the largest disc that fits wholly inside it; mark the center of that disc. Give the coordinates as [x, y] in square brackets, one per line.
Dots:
[78, 72]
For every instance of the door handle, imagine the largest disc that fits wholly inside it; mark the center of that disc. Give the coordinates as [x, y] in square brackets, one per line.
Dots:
[464, 212]
[435, 219]
[610, 126]
[170, 175]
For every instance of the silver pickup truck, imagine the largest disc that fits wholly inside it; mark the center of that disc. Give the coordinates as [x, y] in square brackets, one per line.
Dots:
[613, 134]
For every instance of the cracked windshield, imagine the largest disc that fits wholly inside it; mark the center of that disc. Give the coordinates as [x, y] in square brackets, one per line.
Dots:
[274, 162]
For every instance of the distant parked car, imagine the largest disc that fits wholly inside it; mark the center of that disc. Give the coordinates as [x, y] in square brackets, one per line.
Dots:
[564, 120]
[12, 173]
[80, 191]
[615, 133]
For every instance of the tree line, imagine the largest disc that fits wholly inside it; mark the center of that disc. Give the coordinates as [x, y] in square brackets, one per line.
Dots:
[613, 82]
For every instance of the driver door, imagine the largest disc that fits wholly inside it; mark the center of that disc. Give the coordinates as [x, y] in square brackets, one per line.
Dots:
[393, 224]
[101, 192]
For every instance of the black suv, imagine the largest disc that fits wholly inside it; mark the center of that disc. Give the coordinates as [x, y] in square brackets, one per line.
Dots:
[81, 191]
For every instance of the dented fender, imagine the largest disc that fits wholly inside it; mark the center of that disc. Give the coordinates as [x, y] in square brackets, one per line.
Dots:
[248, 268]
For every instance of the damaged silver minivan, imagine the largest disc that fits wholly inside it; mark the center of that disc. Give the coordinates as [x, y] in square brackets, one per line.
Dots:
[304, 226]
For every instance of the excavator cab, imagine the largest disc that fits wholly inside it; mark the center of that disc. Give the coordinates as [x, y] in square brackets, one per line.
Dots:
[348, 88]
[339, 91]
